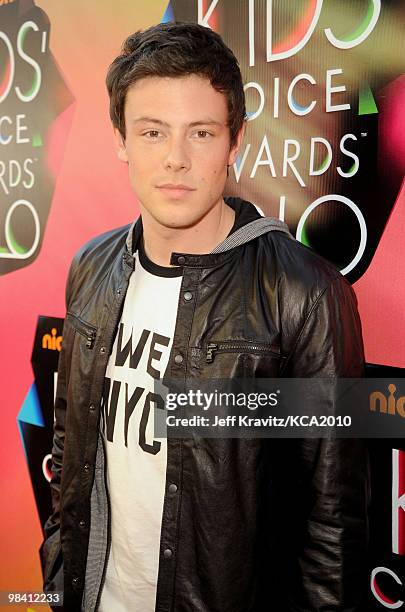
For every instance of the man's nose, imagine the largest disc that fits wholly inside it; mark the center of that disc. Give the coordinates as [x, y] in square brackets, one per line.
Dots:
[177, 155]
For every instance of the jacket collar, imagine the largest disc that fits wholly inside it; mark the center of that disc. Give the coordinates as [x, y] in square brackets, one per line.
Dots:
[245, 212]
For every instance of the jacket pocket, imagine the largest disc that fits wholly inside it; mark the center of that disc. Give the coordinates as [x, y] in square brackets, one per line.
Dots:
[89, 332]
[52, 563]
[214, 347]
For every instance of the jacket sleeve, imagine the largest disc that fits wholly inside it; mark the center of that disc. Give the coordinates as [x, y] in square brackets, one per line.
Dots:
[50, 550]
[324, 483]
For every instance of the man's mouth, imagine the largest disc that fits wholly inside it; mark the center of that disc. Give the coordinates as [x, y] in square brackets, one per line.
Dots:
[175, 190]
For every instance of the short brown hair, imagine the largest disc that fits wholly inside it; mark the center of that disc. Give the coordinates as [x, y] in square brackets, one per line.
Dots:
[175, 50]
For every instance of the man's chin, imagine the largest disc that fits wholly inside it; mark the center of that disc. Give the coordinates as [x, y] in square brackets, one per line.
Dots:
[175, 216]
[178, 217]
[173, 223]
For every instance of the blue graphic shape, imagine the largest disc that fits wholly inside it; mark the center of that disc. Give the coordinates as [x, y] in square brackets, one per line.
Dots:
[297, 106]
[169, 14]
[31, 409]
[238, 162]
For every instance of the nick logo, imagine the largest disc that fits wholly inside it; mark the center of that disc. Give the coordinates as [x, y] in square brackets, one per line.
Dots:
[51, 341]
[387, 405]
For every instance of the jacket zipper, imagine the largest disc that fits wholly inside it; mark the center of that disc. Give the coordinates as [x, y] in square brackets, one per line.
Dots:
[107, 554]
[86, 330]
[230, 347]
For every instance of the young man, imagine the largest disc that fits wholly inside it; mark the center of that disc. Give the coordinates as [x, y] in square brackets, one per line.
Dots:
[198, 287]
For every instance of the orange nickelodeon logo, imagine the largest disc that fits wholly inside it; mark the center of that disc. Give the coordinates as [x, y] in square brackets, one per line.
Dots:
[388, 405]
[51, 341]
[6, 2]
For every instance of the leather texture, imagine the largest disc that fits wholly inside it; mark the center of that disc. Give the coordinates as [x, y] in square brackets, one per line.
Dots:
[255, 524]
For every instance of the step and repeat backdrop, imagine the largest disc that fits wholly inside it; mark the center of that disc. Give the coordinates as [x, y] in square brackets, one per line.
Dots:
[324, 150]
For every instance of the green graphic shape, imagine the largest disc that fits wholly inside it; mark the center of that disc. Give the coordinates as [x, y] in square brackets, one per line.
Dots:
[3, 69]
[37, 140]
[304, 237]
[323, 164]
[17, 247]
[367, 105]
[363, 25]
[21, 38]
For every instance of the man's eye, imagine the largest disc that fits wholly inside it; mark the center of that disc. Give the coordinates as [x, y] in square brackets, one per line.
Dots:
[151, 134]
[202, 134]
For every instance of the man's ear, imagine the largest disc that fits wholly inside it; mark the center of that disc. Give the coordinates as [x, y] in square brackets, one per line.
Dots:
[121, 148]
[233, 153]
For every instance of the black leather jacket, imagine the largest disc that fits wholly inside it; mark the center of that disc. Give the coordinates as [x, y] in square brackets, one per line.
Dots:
[254, 525]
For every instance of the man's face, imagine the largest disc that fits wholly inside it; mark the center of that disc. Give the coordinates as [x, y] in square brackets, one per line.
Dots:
[177, 147]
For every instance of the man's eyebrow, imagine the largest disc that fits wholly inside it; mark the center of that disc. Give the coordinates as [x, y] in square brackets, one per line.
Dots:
[149, 120]
[203, 121]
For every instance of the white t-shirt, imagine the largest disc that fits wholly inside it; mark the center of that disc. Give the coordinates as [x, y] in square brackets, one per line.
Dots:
[136, 461]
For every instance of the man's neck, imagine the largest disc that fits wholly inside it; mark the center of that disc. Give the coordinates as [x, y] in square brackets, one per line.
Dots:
[160, 242]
